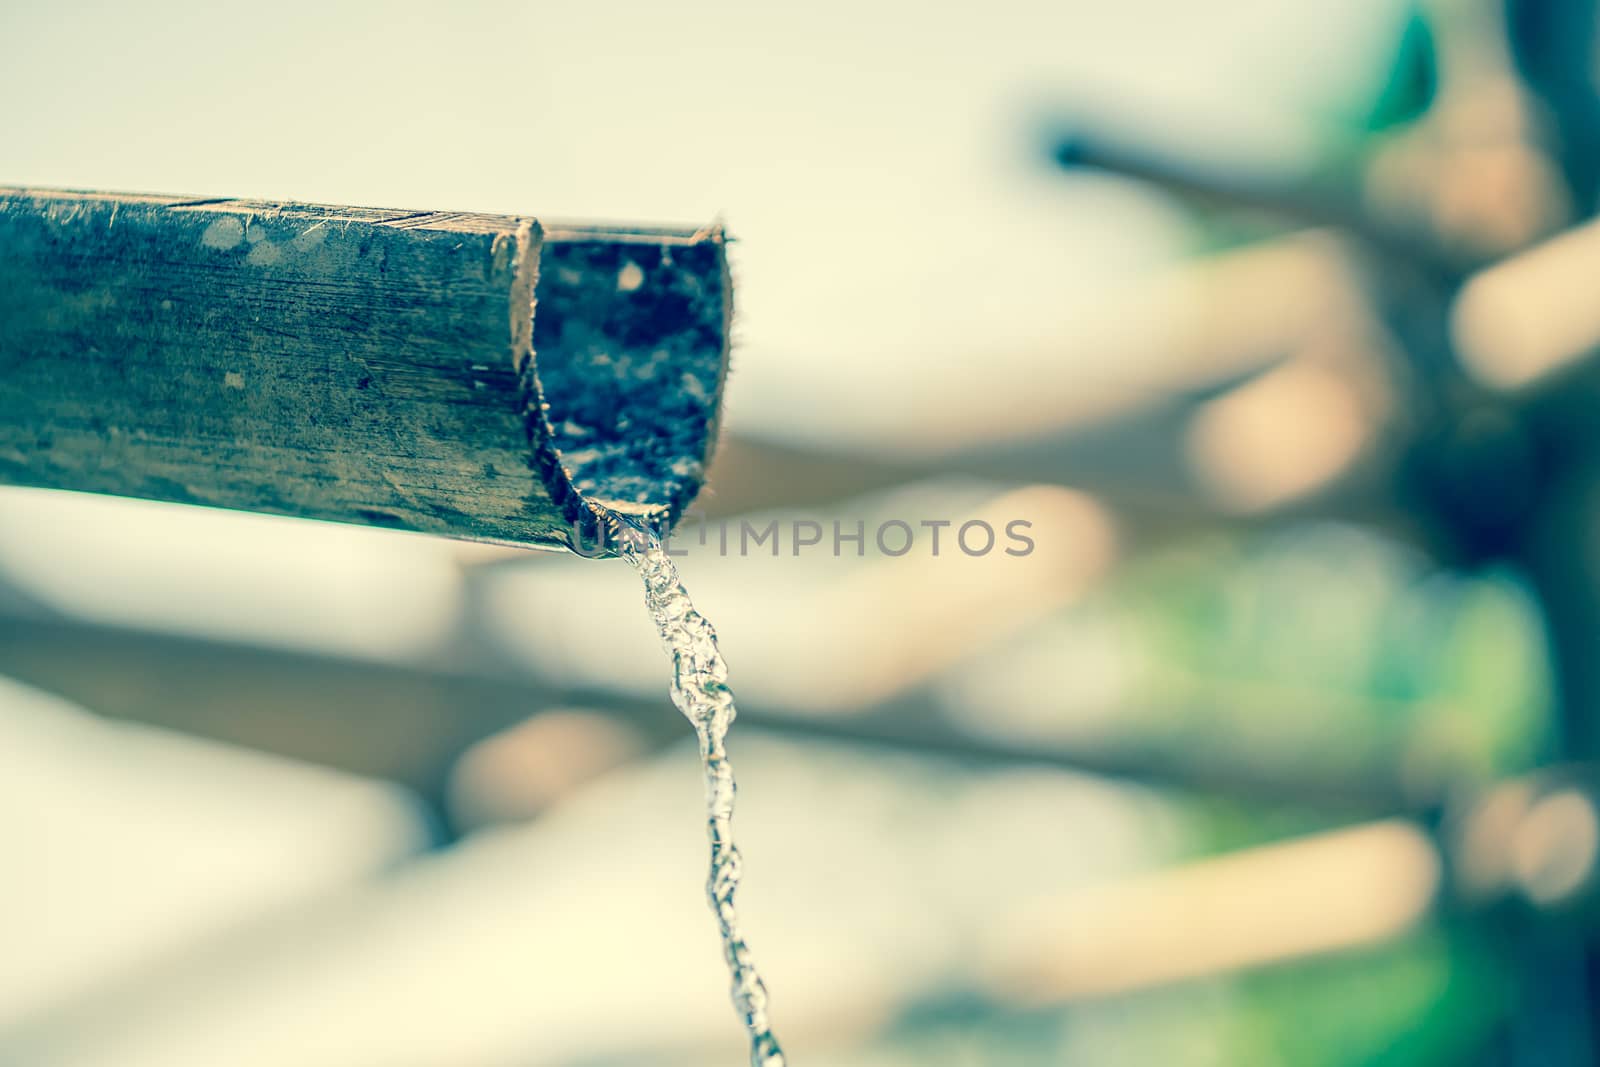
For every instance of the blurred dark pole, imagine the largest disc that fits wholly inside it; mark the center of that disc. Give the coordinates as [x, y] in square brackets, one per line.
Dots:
[1553, 43]
[1554, 48]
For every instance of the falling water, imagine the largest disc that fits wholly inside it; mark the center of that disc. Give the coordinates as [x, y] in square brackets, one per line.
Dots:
[700, 690]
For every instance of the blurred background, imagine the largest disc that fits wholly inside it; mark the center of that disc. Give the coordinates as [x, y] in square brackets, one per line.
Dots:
[1275, 320]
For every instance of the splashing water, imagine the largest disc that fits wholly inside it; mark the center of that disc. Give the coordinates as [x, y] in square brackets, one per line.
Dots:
[700, 690]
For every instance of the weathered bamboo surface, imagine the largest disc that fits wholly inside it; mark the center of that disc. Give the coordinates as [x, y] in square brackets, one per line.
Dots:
[477, 376]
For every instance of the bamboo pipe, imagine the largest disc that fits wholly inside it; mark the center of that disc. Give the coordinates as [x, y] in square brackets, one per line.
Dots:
[369, 366]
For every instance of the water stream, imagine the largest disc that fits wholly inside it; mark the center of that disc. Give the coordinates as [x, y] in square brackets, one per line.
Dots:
[700, 690]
